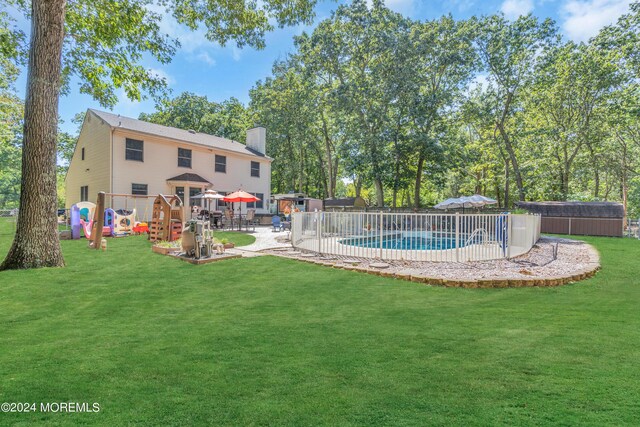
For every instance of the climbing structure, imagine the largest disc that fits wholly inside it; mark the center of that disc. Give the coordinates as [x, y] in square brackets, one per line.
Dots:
[167, 219]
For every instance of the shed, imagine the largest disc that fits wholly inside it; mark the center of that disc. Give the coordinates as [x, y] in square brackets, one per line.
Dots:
[346, 202]
[300, 201]
[579, 218]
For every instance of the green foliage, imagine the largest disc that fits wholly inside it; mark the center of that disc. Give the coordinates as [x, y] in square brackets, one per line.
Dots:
[230, 119]
[11, 113]
[413, 112]
[105, 40]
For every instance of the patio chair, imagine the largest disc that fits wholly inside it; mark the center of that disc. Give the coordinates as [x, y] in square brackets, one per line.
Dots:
[250, 219]
[227, 219]
[277, 224]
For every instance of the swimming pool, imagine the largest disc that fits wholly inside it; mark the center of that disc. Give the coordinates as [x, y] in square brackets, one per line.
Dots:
[415, 236]
[408, 241]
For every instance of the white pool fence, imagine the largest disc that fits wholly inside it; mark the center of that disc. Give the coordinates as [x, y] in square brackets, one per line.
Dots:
[415, 236]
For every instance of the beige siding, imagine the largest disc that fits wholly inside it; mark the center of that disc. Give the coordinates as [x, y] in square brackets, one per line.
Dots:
[161, 163]
[94, 170]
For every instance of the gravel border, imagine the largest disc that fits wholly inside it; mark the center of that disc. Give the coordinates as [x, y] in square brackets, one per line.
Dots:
[551, 262]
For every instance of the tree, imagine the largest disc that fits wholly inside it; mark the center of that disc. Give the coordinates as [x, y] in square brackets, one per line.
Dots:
[441, 63]
[362, 48]
[565, 103]
[230, 119]
[509, 51]
[105, 40]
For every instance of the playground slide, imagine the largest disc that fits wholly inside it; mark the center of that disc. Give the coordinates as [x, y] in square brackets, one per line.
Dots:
[86, 228]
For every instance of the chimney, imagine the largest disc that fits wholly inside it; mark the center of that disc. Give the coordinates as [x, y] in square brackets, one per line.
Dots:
[257, 139]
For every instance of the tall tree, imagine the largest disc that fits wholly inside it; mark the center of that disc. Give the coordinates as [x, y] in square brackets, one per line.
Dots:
[509, 51]
[441, 63]
[105, 41]
[565, 104]
[363, 47]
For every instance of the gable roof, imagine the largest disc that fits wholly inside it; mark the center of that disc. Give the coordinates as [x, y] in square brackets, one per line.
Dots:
[191, 177]
[575, 209]
[117, 121]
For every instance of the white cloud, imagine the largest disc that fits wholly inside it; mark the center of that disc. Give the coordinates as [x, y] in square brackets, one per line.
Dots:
[583, 19]
[206, 58]
[163, 75]
[512, 9]
[462, 5]
[236, 53]
[401, 6]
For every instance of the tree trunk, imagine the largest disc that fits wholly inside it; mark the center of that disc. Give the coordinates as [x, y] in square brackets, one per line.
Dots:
[357, 185]
[301, 172]
[36, 241]
[506, 184]
[514, 162]
[564, 177]
[418, 186]
[596, 172]
[379, 192]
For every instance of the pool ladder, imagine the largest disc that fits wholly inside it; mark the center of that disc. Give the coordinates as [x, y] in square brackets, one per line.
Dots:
[475, 233]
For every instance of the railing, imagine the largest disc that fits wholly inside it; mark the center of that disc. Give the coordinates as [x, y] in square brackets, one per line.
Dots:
[9, 213]
[414, 236]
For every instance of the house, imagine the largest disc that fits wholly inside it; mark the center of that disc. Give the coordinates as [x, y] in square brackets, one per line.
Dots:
[578, 218]
[121, 155]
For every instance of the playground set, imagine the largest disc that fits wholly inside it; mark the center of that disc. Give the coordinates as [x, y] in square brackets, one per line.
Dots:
[116, 223]
[166, 221]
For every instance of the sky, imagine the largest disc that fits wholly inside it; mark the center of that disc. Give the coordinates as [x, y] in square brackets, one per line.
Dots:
[204, 68]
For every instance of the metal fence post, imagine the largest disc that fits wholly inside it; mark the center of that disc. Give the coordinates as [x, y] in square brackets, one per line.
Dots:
[381, 228]
[319, 231]
[457, 236]
[509, 234]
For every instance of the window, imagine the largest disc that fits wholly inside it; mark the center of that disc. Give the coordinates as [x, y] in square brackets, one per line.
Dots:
[255, 169]
[259, 204]
[82, 153]
[194, 191]
[184, 158]
[180, 193]
[222, 204]
[139, 189]
[221, 164]
[84, 193]
[134, 150]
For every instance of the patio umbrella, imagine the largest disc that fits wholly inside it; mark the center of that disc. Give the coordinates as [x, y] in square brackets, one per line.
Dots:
[240, 196]
[475, 201]
[209, 195]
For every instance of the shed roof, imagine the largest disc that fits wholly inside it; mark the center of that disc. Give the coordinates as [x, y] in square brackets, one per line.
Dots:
[345, 202]
[575, 209]
[117, 121]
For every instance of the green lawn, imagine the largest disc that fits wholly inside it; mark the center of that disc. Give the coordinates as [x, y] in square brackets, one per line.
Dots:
[268, 341]
[237, 237]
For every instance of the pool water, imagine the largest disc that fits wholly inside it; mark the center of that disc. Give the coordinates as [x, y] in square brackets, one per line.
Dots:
[405, 242]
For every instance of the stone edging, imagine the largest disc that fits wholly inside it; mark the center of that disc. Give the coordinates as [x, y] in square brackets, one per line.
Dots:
[592, 268]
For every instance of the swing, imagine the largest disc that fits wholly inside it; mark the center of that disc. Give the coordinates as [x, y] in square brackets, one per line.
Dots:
[141, 226]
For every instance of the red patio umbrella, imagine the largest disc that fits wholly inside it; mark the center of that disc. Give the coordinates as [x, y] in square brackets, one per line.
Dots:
[240, 196]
